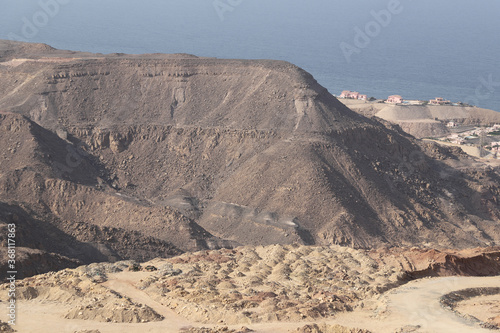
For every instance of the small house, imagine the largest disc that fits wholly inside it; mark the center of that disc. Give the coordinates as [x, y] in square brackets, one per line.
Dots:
[438, 101]
[353, 95]
[395, 99]
[345, 94]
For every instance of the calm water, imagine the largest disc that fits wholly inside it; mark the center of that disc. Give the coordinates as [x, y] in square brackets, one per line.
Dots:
[425, 49]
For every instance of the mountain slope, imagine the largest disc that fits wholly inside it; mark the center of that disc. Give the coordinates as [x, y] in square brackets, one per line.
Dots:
[61, 206]
[254, 152]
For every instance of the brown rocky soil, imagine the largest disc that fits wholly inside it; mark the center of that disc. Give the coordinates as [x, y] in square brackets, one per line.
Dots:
[274, 283]
[315, 328]
[241, 286]
[223, 329]
[80, 291]
[5, 327]
[424, 262]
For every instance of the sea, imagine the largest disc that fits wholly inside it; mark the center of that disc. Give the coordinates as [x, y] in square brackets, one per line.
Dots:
[419, 49]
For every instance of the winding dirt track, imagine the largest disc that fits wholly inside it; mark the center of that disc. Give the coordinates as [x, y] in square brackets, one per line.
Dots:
[124, 285]
[417, 303]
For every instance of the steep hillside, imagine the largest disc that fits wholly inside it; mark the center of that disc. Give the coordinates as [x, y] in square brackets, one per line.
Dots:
[62, 207]
[181, 148]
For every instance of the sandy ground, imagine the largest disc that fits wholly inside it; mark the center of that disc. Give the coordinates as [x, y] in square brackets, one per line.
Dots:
[483, 308]
[416, 303]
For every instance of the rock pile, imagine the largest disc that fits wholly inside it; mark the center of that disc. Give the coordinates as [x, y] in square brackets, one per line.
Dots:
[272, 283]
[81, 290]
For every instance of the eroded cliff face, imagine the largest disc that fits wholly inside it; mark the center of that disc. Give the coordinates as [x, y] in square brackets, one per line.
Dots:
[204, 153]
[190, 92]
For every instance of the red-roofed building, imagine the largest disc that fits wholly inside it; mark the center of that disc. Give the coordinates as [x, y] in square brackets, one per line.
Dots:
[345, 94]
[353, 95]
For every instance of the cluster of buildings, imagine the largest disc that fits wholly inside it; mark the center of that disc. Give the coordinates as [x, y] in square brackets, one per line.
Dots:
[456, 139]
[480, 130]
[353, 95]
[483, 135]
[395, 99]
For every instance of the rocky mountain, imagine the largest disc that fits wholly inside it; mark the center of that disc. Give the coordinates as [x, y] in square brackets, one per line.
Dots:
[53, 210]
[137, 156]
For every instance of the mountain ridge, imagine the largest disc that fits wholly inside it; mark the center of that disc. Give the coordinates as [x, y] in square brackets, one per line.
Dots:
[231, 152]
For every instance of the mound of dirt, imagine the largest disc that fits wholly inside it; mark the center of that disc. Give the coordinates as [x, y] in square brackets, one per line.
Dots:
[123, 311]
[241, 286]
[83, 296]
[273, 283]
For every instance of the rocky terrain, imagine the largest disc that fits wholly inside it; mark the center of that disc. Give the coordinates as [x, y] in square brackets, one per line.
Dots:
[244, 289]
[223, 196]
[240, 286]
[144, 156]
[420, 263]
[314, 328]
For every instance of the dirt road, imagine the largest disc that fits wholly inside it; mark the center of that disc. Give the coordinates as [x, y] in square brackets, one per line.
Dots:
[418, 303]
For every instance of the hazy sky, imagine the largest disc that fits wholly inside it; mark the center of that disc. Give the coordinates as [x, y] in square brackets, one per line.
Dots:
[453, 40]
[246, 23]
